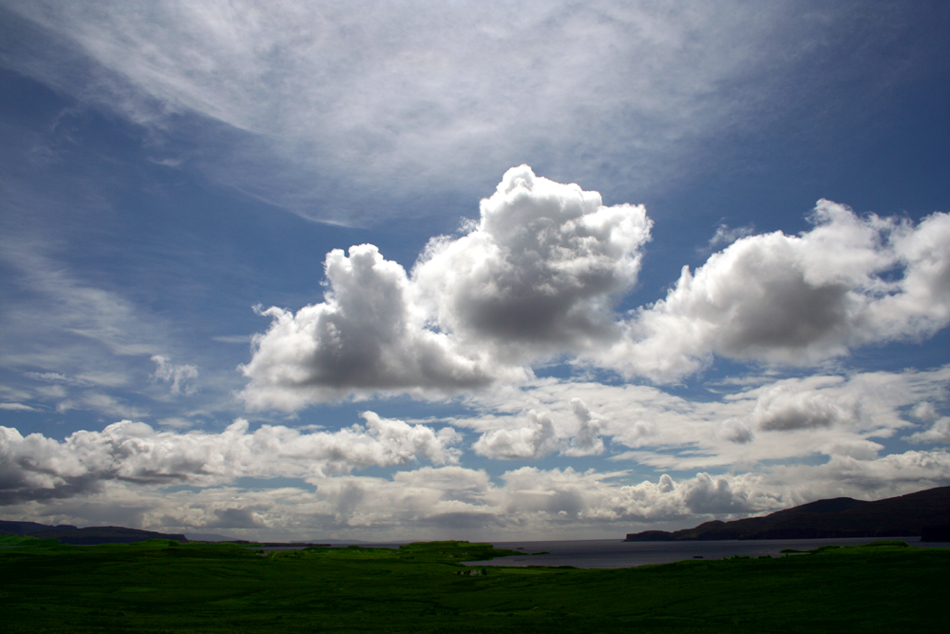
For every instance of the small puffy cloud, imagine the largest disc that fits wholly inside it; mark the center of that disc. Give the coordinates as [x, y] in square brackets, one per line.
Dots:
[858, 449]
[36, 467]
[534, 438]
[535, 434]
[924, 411]
[797, 299]
[180, 377]
[708, 495]
[939, 433]
[784, 408]
[736, 430]
[587, 441]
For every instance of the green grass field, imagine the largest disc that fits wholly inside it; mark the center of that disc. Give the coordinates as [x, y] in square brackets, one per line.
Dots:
[161, 586]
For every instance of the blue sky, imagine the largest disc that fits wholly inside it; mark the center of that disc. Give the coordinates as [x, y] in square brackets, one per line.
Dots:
[465, 270]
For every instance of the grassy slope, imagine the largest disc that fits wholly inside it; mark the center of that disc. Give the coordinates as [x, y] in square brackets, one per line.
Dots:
[161, 586]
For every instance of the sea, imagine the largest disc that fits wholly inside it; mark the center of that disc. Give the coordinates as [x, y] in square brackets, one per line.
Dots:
[613, 553]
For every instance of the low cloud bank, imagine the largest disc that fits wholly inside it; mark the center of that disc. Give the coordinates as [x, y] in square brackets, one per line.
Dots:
[456, 502]
[37, 467]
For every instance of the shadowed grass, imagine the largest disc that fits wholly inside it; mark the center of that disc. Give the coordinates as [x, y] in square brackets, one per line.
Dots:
[161, 586]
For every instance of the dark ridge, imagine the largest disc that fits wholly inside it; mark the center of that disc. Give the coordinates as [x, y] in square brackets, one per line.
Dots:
[84, 536]
[28, 528]
[924, 513]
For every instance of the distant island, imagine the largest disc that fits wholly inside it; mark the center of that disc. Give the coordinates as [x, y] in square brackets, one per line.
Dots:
[925, 514]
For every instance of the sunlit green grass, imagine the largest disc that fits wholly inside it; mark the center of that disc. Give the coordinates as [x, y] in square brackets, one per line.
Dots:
[161, 586]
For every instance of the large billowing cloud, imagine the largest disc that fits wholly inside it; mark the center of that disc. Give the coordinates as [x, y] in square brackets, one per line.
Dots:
[800, 299]
[538, 276]
[37, 467]
[367, 335]
[541, 271]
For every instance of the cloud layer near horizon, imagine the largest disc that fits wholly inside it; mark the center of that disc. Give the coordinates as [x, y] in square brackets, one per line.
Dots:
[428, 501]
[539, 277]
[783, 441]
[36, 467]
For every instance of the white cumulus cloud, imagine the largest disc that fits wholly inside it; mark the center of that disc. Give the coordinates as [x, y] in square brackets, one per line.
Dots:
[535, 437]
[366, 336]
[538, 276]
[783, 409]
[540, 273]
[800, 299]
[587, 441]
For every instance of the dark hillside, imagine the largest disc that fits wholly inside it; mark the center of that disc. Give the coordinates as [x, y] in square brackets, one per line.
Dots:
[83, 536]
[27, 528]
[910, 515]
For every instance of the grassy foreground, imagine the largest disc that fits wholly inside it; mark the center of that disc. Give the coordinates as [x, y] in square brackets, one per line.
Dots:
[161, 586]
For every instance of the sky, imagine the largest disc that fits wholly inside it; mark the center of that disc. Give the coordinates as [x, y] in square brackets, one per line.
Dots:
[469, 270]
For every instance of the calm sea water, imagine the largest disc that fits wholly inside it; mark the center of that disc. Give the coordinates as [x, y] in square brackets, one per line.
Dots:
[603, 553]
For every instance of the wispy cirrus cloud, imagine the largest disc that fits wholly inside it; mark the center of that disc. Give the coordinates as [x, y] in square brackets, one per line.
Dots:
[319, 103]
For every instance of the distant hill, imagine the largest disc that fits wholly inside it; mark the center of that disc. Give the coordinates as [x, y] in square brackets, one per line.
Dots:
[83, 536]
[925, 514]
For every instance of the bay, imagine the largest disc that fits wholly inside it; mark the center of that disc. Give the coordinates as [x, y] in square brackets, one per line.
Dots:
[609, 553]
